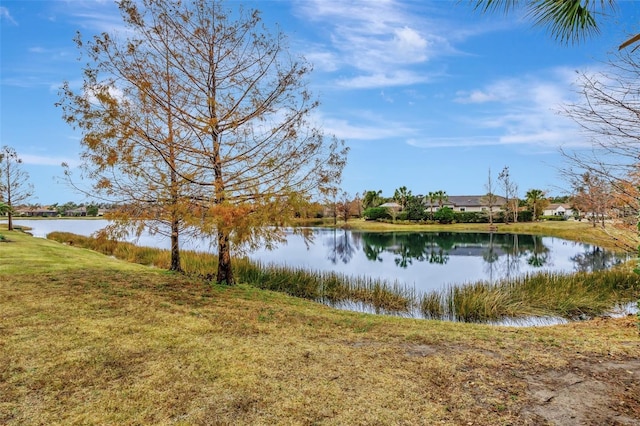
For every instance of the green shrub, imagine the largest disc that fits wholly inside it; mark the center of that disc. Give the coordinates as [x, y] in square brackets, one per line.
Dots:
[375, 213]
[445, 215]
[415, 211]
[525, 216]
[471, 217]
[554, 218]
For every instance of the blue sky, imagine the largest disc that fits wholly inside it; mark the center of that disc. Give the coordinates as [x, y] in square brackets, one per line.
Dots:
[429, 95]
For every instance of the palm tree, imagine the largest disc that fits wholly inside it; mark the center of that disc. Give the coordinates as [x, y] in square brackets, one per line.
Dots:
[371, 198]
[534, 198]
[442, 197]
[431, 196]
[568, 21]
[401, 196]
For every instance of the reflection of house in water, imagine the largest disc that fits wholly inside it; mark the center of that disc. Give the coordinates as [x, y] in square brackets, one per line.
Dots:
[475, 249]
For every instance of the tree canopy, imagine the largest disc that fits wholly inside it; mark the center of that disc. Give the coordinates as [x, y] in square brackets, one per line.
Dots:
[201, 117]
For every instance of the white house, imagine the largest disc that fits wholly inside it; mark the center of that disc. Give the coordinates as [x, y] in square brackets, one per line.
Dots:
[556, 209]
[391, 205]
[470, 203]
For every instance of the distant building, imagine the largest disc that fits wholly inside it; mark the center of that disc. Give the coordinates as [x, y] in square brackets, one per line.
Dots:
[557, 209]
[394, 206]
[470, 203]
[35, 212]
[79, 212]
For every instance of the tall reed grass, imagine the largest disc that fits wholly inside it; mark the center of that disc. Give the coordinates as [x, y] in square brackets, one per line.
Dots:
[544, 294]
[570, 296]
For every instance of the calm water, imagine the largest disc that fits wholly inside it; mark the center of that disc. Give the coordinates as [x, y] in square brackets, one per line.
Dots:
[428, 260]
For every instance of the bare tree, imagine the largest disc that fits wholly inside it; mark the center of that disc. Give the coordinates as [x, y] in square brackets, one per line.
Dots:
[593, 196]
[14, 182]
[510, 192]
[135, 149]
[608, 113]
[358, 204]
[344, 207]
[244, 152]
[514, 202]
[490, 199]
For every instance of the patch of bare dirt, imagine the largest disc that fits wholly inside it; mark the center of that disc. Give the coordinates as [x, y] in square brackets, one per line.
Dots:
[587, 393]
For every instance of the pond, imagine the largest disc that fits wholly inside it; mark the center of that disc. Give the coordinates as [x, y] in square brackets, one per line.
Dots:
[427, 260]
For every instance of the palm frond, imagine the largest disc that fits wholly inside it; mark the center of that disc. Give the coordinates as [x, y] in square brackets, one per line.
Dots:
[494, 5]
[569, 21]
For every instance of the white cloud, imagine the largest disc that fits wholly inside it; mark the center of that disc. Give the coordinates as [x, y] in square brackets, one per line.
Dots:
[323, 61]
[106, 19]
[398, 78]
[6, 16]
[410, 45]
[524, 110]
[381, 42]
[363, 125]
[114, 92]
[498, 91]
[475, 97]
[453, 142]
[39, 160]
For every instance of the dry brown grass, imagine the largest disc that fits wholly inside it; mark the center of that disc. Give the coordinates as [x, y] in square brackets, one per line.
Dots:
[116, 344]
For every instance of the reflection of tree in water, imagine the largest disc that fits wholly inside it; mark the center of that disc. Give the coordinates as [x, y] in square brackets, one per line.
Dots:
[374, 244]
[595, 259]
[503, 254]
[539, 255]
[438, 255]
[341, 247]
[538, 260]
[490, 255]
[509, 264]
[409, 247]
[438, 247]
[373, 252]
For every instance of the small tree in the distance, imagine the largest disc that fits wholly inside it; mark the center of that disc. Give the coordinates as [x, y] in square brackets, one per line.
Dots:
[14, 182]
[344, 207]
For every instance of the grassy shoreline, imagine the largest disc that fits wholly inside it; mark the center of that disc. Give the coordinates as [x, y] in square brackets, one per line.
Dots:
[567, 296]
[89, 339]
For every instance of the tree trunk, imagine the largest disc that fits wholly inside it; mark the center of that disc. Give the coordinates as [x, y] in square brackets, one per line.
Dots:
[175, 246]
[225, 273]
[10, 216]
